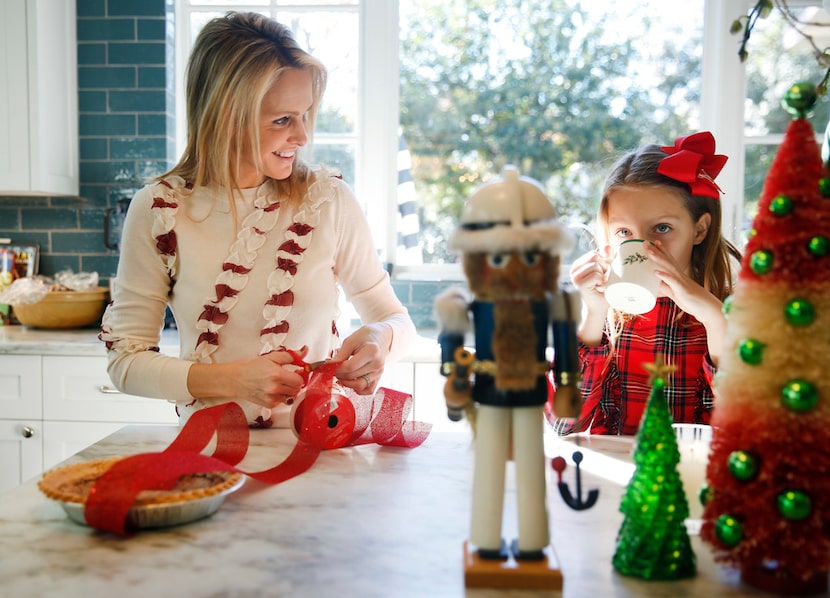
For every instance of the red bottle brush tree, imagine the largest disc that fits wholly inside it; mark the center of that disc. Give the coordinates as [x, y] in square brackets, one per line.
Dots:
[767, 505]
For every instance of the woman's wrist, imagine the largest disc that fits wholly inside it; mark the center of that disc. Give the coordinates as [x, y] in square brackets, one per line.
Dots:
[206, 381]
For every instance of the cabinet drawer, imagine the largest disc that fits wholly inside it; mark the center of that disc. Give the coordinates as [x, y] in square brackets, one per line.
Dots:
[79, 389]
[20, 387]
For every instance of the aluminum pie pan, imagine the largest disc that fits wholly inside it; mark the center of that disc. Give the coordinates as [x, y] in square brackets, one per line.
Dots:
[164, 509]
[163, 514]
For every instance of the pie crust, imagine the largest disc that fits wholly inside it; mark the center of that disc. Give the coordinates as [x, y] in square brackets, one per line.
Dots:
[72, 483]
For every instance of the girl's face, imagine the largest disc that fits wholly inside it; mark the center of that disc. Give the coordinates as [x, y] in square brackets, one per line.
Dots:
[282, 129]
[655, 213]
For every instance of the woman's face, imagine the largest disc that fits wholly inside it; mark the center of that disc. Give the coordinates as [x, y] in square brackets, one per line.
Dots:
[282, 129]
[655, 213]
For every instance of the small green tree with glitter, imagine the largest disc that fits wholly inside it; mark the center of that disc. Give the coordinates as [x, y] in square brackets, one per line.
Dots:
[653, 542]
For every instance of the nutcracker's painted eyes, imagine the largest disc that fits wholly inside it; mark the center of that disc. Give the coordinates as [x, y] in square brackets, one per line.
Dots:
[531, 258]
[498, 260]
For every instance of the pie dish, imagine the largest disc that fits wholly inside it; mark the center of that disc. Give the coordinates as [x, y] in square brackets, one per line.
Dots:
[193, 497]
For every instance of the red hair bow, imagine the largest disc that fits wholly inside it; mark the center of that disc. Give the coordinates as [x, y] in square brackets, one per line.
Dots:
[692, 159]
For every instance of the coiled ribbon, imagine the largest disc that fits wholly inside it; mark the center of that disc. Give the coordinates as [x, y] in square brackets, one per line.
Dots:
[322, 420]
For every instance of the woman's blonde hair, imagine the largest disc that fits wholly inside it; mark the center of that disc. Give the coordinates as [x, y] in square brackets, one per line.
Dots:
[235, 61]
[712, 258]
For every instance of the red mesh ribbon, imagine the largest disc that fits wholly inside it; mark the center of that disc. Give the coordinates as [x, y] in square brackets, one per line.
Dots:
[322, 420]
[692, 159]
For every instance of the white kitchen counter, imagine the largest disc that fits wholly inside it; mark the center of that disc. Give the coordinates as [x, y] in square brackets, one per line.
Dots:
[363, 521]
[22, 340]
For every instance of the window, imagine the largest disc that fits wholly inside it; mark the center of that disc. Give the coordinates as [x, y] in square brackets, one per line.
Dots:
[329, 30]
[769, 72]
[557, 88]
[428, 98]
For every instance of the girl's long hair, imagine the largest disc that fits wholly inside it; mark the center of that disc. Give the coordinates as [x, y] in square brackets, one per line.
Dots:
[235, 61]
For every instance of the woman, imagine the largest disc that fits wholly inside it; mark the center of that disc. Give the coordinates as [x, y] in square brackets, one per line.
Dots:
[248, 244]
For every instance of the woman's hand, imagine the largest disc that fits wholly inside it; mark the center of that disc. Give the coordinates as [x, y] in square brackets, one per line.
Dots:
[364, 354]
[266, 380]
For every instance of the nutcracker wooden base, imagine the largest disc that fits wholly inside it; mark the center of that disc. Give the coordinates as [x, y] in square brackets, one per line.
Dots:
[512, 574]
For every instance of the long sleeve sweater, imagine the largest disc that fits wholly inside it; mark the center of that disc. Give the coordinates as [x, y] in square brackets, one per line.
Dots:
[236, 292]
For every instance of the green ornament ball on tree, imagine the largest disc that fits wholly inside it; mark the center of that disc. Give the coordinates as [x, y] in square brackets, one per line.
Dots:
[819, 246]
[799, 395]
[751, 351]
[800, 98]
[794, 505]
[729, 530]
[781, 205]
[824, 186]
[799, 312]
[761, 261]
[742, 465]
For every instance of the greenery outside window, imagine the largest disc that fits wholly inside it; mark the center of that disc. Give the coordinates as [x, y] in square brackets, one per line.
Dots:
[558, 87]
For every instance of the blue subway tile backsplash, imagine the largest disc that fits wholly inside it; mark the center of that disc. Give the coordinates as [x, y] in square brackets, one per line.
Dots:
[126, 127]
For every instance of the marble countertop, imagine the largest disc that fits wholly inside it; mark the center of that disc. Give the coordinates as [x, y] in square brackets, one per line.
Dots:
[22, 340]
[363, 521]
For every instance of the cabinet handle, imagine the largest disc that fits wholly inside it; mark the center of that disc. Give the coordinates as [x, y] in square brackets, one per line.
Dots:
[108, 390]
[27, 431]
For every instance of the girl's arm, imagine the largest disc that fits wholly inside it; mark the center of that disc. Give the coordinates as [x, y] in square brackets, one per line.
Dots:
[589, 273]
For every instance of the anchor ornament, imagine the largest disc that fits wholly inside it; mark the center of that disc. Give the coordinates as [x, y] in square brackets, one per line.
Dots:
[577, 503]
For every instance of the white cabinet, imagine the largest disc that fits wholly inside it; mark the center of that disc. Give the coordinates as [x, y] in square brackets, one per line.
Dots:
[20, 387]
[21, 426]
[21, 451]
[38, 97]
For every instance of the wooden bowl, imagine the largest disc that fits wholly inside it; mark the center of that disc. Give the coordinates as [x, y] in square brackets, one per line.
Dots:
[63, 309]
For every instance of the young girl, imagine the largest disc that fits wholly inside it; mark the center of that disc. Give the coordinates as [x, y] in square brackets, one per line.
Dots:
[668, 197]
[247, 244]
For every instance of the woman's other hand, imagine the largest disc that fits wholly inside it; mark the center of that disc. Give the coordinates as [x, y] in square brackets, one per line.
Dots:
[364, 354]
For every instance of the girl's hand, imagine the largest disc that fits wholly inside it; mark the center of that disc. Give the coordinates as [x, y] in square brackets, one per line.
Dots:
[589, 274]
[364, 354]
[691, 297]
[679, 286]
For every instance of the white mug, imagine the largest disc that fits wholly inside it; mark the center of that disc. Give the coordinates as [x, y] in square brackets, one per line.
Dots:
[632, 286]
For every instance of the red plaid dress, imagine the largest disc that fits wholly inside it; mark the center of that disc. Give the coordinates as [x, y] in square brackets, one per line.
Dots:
[615, 391]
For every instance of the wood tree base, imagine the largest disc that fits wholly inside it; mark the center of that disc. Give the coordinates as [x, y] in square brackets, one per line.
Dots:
[773, 582]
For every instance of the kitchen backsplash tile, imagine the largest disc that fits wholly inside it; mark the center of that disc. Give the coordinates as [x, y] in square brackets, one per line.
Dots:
[126, 130]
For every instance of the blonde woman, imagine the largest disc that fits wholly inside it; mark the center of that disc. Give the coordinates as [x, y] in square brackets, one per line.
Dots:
[247, 244]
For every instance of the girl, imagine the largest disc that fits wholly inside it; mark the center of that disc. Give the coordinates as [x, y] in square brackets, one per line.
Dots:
[668, 197]
[247, 244]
